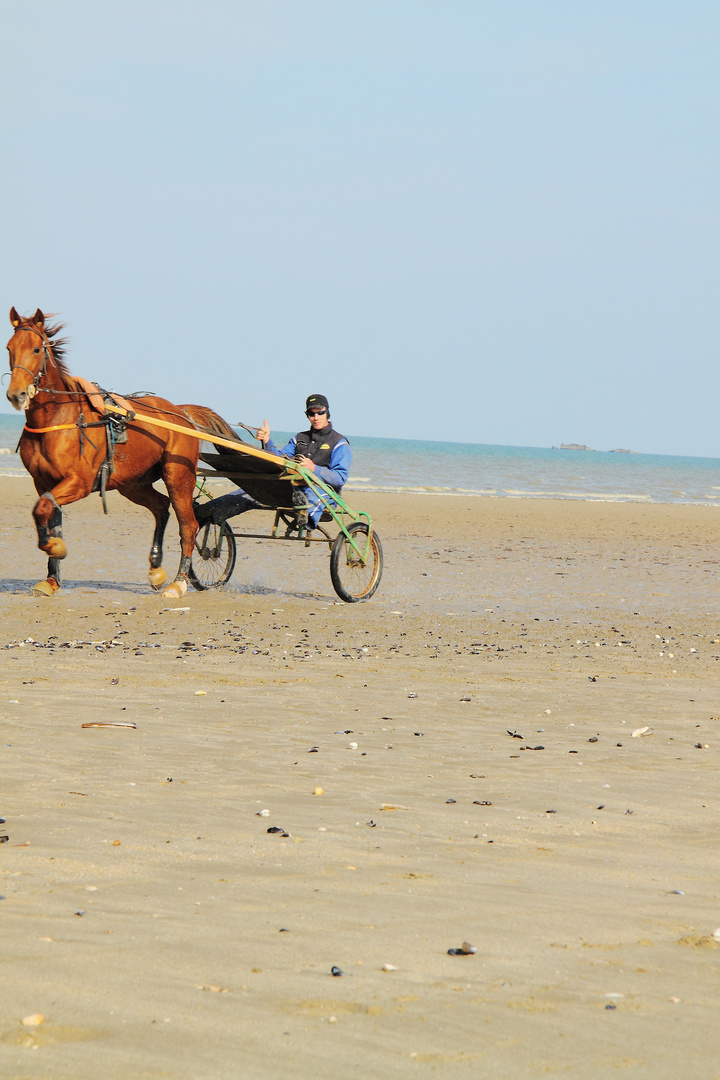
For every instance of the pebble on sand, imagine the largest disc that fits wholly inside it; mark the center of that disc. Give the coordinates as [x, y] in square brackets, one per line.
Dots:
[466, 949]
[34, 1020]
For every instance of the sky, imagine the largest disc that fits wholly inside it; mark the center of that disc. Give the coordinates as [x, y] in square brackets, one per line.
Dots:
[487, 221]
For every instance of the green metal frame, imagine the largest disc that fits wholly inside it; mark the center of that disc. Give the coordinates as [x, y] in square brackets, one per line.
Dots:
[328, 496]
[333, 503]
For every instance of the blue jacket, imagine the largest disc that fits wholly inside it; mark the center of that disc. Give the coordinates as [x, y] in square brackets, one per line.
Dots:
[335, 474]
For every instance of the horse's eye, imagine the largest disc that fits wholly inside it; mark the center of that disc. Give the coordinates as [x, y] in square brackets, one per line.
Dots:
[36, 350]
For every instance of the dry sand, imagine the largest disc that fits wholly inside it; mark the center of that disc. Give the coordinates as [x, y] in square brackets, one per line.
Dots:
[160, 929]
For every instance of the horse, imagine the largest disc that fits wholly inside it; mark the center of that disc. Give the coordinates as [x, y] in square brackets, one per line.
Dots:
[72, 446]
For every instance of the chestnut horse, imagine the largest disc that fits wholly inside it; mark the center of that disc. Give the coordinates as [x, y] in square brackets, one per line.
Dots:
[70, 448]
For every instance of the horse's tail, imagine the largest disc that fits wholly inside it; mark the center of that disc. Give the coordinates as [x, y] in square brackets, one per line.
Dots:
[206, 420]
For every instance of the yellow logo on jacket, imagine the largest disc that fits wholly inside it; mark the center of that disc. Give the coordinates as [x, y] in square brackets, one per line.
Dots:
[325, 446]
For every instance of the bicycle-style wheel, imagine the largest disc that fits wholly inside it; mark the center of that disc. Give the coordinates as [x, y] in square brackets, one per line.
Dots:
[213, 559]
[353, 579]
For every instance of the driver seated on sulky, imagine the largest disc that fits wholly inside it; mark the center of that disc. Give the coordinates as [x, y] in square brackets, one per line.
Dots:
[320, 450]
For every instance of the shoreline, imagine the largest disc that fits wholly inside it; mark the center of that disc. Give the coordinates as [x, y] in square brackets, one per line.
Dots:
[460, 493]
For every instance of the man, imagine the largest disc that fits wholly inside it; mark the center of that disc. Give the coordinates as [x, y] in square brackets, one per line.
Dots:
[321, 450]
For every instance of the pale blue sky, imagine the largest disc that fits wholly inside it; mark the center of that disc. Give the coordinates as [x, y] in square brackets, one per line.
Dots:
[494, 222]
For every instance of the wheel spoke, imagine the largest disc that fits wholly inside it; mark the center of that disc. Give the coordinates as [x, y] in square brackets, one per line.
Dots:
[214, 556]
[354, 577]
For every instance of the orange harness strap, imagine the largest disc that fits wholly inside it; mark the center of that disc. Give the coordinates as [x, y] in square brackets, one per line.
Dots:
[55, 427]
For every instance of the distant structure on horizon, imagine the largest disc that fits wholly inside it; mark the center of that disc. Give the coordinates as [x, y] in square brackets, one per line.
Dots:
[581, 446]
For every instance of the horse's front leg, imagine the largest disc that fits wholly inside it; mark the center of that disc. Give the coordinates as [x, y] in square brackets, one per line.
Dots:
[47, 514]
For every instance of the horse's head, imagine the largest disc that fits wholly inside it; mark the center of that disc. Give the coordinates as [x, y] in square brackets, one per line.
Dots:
[30, 350]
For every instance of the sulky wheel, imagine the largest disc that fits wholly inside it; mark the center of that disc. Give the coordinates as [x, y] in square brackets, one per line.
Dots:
[353, 579]
[213, 559]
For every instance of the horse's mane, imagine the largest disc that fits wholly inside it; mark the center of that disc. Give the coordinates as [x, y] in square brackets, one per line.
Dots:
[59, 346]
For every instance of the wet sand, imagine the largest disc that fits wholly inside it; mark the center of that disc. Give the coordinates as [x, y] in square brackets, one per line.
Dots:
[495, 795]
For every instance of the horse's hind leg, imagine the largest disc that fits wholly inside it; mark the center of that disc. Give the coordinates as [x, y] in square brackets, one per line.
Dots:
[179, 476]
[156, 574]
[159, 506]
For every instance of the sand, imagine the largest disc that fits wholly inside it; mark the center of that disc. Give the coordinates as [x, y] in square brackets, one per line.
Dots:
[471, 729]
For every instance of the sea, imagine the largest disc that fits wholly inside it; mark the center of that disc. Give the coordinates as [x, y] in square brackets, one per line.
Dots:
[482, 471]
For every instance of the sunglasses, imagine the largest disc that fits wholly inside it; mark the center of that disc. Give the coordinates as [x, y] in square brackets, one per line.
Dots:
[316, 412]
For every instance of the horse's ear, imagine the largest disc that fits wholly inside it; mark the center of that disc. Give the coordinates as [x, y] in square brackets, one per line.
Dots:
[39, 318]
[14, 317]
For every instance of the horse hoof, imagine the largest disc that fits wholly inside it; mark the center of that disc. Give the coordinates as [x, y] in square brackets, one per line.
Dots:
[45, 588]
[176, 590]
[157, 578]
[55, 548]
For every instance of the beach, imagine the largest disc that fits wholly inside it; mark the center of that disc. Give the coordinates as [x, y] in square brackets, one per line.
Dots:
[461, 759]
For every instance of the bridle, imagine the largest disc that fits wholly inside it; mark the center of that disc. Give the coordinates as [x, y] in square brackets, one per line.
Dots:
[47, 355]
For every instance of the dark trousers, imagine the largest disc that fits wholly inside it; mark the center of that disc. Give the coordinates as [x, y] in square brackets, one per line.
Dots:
[224, 507]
